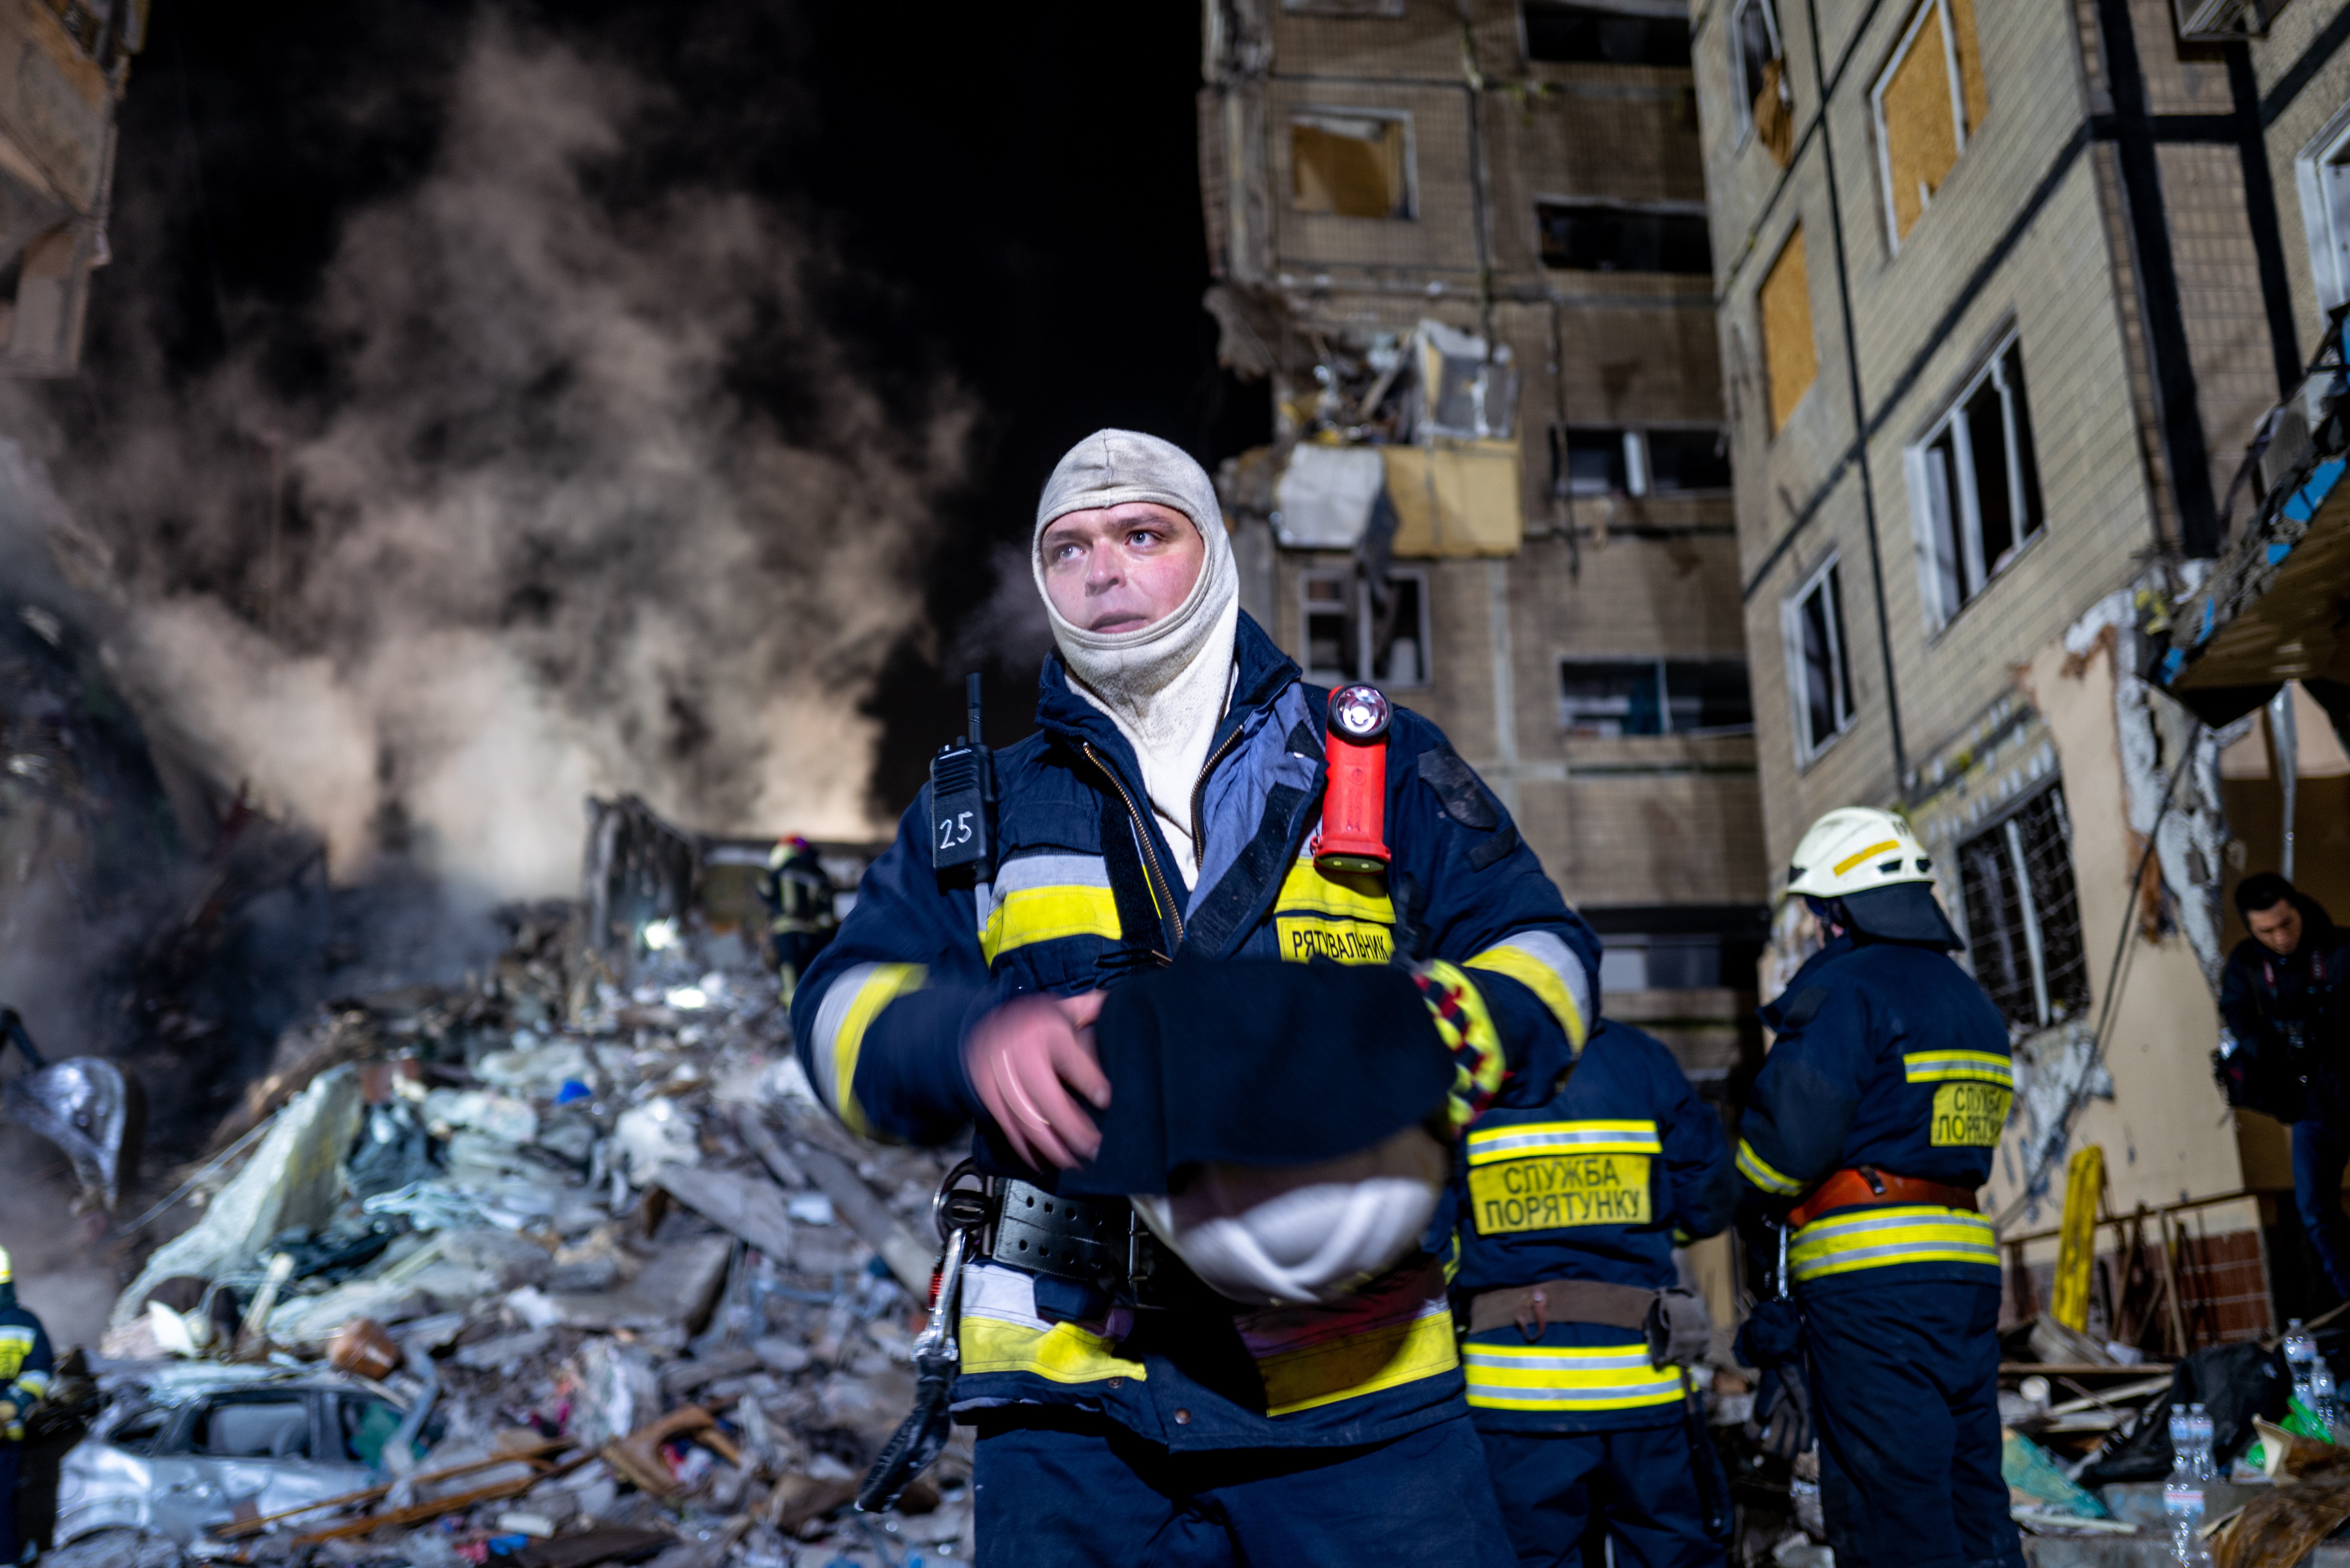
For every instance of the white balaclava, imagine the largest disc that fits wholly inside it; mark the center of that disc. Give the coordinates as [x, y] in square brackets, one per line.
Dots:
[1163, 685]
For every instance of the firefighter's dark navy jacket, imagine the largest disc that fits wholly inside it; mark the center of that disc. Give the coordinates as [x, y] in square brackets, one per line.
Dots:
[2291, 1020]
[27, 1363]
[882, 1015]
[1596, 1183]
[1887, 1055]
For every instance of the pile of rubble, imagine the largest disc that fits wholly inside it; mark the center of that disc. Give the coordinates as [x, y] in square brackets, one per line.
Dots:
[555, 1267]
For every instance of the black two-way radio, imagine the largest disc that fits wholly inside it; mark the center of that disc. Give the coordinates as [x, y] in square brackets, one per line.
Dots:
[962, 803]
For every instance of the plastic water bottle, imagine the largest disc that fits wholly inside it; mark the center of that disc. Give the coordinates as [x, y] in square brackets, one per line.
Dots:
[2324, 1402]
[2199, 1432]
[2300, 1360]
[2182, 1494]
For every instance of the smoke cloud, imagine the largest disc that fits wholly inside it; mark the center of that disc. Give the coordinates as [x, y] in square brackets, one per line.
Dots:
[542, 530]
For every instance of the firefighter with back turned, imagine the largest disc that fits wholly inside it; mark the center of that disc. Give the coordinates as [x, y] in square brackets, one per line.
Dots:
[26, 1366]
[1867, 1133]
[1240, 1350]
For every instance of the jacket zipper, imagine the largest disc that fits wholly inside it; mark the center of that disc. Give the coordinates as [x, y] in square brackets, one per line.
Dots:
[1142, 836]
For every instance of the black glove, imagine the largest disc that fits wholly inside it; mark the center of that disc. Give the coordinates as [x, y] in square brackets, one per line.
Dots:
[1771, 1338]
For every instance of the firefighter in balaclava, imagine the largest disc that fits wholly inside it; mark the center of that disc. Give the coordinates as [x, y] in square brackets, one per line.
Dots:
[1867, 1133]
[1285, 1388]
[1583, 1350]
[26, 1365]
[798, 893]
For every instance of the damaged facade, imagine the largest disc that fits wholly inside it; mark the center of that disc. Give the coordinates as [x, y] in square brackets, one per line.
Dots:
[66, 62]
[2005, 299]
[1466, 244]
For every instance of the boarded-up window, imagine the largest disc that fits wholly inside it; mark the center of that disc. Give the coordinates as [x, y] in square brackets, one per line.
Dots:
[1928, 101]
[1354, 165]
[1791, 360]
[2023, 921]
[1765, 106]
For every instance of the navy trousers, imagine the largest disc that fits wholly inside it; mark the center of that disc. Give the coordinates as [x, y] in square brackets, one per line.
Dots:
[1058, 1488]
[1557, 1488]
[2319, 1154]
[11, 1546]
[1904, 1389]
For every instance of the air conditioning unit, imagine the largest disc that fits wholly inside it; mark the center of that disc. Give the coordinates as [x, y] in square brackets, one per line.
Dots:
[2224, 21]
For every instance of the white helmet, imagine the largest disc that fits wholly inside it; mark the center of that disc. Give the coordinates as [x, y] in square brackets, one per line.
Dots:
[1854, 848]
[1302, 1234]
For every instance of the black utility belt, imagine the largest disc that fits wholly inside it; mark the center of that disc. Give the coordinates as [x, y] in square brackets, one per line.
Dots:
[1095, 1242]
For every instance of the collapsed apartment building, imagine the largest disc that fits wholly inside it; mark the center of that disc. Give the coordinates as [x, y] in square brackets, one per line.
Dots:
[1466, 244]
[2005, 309]
[66, 63]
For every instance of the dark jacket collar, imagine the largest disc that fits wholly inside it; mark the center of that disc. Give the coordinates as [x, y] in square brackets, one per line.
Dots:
[1263, 669]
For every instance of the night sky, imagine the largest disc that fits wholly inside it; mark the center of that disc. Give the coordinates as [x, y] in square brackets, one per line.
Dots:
[1008, 197]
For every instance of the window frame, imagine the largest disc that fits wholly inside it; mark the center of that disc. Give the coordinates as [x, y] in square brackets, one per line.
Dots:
[1628, 206]
[1649, 10]
[1954, 84]
[1827, 579]
[2038, 936]
[1639, 467]
[1662, 663]
[1361, 614]
[1307, 111]
[2025, 502]
[1745, 91]
[2327, 232]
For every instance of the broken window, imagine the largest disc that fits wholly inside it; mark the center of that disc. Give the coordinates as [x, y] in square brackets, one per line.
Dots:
[2023, 922]
[1974, 486]
[1765, 105]
[1626, 32]
[1353, 163]
[2323, 171]
[1596, 459]
[1928, 101]
[366, 1424]
[1790, 359]
[1609, 699]
[1466, 391]
[1613, 237]
[269, 1427]
[1819, 668]
[1348, 637]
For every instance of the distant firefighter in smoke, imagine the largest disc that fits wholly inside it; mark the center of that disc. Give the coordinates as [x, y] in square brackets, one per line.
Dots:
[798, 893]
[26, 1365]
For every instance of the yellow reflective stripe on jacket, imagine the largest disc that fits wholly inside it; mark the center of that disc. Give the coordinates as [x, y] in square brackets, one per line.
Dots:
[1001, 1333]
[1492, 1142]
[1566, 1377]
[17, 1341]
[1044, 897]
[1941, 1066]
[850, 1005]
[1396, 1330]
[36, 1384]
[1308, 889]
[1549, 967]
[1880, 1238]
[1757, 1170]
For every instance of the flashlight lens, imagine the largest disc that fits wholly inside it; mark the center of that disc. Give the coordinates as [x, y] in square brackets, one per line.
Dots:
[1359, 713]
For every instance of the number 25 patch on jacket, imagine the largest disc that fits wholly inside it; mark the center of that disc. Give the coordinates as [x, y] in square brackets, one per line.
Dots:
[1546, 1175]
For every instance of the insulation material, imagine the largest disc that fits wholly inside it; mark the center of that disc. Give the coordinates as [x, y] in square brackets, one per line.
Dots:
[1456, 498]
[1920, 123]
[1324, 497]
[1466, 391]
[1791, 358]
[1351, 165]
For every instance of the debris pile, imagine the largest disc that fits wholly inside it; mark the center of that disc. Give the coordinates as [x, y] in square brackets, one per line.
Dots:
[565, 1267]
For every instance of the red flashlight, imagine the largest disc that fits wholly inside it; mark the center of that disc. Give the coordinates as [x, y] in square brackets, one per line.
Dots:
[1355, 808]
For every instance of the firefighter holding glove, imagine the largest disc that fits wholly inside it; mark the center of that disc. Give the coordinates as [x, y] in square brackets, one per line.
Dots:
[1202, 1324]
[1868, 1131]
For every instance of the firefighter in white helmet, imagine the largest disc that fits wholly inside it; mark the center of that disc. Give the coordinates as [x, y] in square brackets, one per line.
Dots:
[1869, 1130]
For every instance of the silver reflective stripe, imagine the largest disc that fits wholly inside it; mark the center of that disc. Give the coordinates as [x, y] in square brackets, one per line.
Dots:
[1051, 872]
[838, 998]
[1563, 1361]
[1555, 956]
[1641, 1140]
